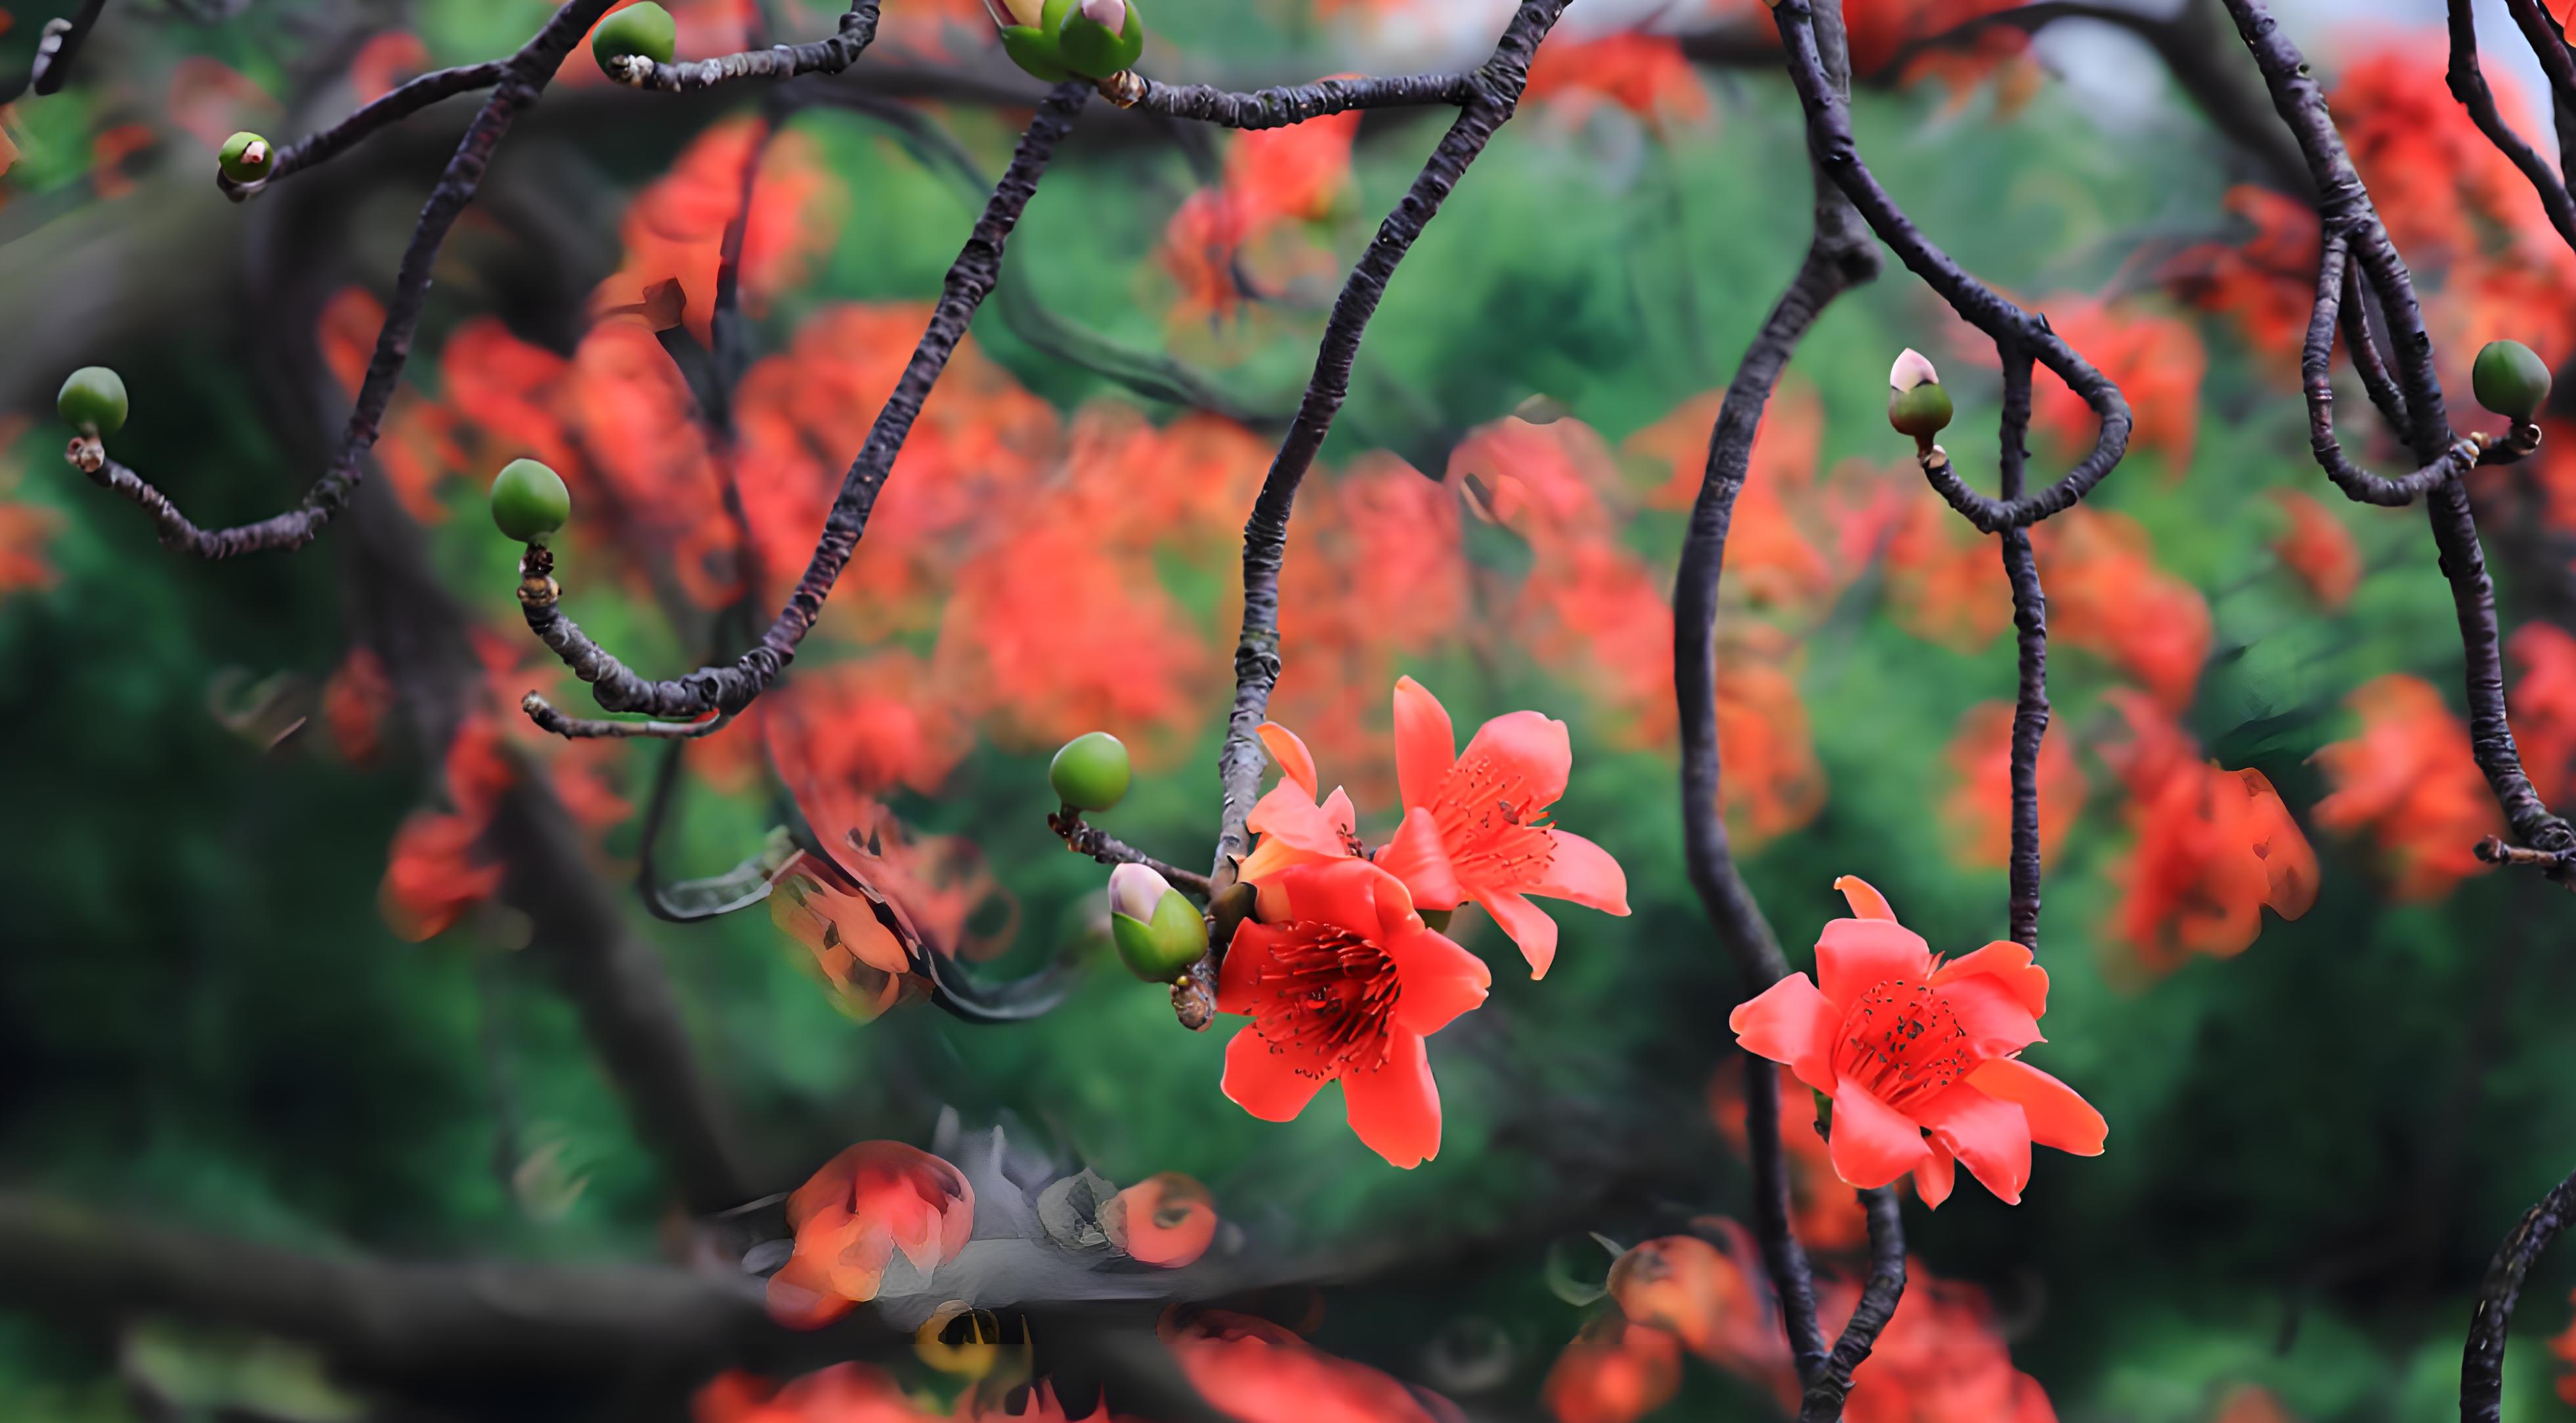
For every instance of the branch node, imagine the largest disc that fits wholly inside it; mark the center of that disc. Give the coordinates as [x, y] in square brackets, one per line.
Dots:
[1124, 89]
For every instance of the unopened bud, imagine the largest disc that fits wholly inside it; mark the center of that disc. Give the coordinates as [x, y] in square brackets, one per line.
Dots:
[1916, 403]
[1134, 890]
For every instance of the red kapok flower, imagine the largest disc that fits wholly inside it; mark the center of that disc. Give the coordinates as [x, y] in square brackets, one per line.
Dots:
[1906, 1044]
[843, 1393]
[1166, 1219]
[1485, 807]
[1702, 1296]
[1345, 990]
[870, 1201]
[2319, 548]
[1613, 1372]
[1260, 1372]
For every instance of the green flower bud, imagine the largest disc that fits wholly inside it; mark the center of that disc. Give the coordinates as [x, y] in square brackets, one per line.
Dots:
[1916, 403]
[93, 401]
[1159, 943]
[1091, 771]
[2511, 380]
[246, 157]
[1101, 38]
[1029, 29]
[529, 500]
[645, 30]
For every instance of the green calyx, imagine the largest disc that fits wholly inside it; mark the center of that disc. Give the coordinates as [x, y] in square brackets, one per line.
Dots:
[1922, 412]
[93, 401]
[1091, 771]
[529, 501]
[246, 157]
[1033, 50]
[646, 31]
[1092, 50]
[1162, 949]
[2511, 380]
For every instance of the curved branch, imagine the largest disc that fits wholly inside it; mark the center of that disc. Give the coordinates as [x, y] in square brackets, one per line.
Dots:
[830, 55]
[56, 48]
[1830, 141]
[1494, 92]
[524, 77]
[2468, 83]
[2369, 360]
[2482, 1361]
[731, 687]
[1827, 1390]
[414, 96]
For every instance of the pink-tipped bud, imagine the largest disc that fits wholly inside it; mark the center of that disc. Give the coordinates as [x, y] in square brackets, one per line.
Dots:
[1911, 370]
[1134, 890]
[1110, 15]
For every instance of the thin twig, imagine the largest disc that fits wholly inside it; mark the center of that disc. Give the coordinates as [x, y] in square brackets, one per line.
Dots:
[544, 714]
[1295, 104]
[413, 96]
[1091, 840]
[830, 55]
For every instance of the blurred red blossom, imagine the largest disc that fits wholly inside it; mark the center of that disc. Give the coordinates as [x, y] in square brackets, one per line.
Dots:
[2265, 285]
[1343, 986]
[25, 529]
[1258, 1372]
[210, 101]
[354, 702]
[1704, 1297]
[2544, 706]
[2409, 783]
[1823, 1209]
[1613, 1371]
[384, 62]
[2157, 361]
[843, 1393]
[1641, 74]
[1773, 783]
[1945, 581]
[2253, 1403]
[862, 965]
[1941, 1358]
[1906, 1044]
[871, 723]
[2214, 847]
[2319, 548]
[675, 227]
[437, 870]
[1167, 1219]
[2107, 596]
[1979, 807]
[871, 1202]
[1769, 557]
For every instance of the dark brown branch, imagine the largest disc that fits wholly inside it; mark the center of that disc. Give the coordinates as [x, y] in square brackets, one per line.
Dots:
[56, 48]
[2482, 1361]
[1830, 141]
[1831, 1385]
[2345, 213]
[1493, 93]
[731, 687]
[2316, 370]
[2549, 46]
[1792, 1278]
[1295, 104]
[2030, 625]
[2369, 359]
[544, 714]
[830, 55]
[414, 96]
[2468, 83]
[1100, 845]
[524, 77]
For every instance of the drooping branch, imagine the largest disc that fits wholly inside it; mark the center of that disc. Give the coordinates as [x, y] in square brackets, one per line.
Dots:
[2030, 629]
[2352, 227]
[408, 99]
[2482, 1361]
[56, 48]
[2549, 46]
[1831, 1385]
[2468, 83]
[2316, 369]
[1490, 96]
[733, 686]
[524, 76]
[830, 55]
[1830, 141]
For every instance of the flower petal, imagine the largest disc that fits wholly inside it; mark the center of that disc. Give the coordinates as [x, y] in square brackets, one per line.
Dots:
[1295, 761]
[1855, 955]
[2058, 1117]
[1343, 819]
[1531, 744]
[1934, 1175]
[1437, 980]
[1527, 924]
[1988, 1134]
[1289, 813]
[2010, 964]
[1273, 855]
[1994, 1019]
[1238, 979]
[801, 1296]
[1583, 872]
[1343, 893]
[1396, 1108]
[1426, 745]
[1872, 1143]
[1866, 902]
[1415, 857]
[1262, 1082]
[1790, 1022]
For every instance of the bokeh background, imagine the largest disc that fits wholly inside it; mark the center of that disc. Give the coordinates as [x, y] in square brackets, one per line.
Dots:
[268, 977]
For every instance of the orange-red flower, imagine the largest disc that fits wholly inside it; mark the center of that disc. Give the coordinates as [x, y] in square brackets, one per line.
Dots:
[2544, 706]
[354, 703]
[861, 962]
[1824, 1210]
[1702, 1296]
[2563, 1345]
[2266, 284]
[1345, 988]
[1166, 1219]
[1979, 808]
[437, 870]
[1485, 809]
[1613, 1372]
[1906, 1044]
[1258, 1372]
[843, 1393]
[1940, 1359]
[2157, 361]
[2319, 549]
[1644, 75]
[2106, 595]
[2215, 847]
[867, 1204]
[25, 529]
[2410, 783]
